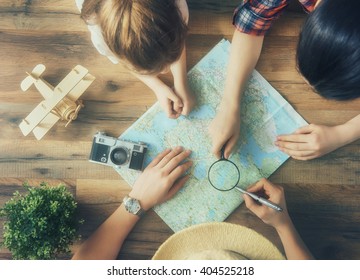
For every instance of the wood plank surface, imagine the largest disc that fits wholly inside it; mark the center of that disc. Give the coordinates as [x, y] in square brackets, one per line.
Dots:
[322, 194]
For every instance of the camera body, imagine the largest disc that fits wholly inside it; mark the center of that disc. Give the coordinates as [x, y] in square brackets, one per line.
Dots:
[115, 152]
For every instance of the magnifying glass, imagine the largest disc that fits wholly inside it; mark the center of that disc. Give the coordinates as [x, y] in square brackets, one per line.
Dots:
[224, 175]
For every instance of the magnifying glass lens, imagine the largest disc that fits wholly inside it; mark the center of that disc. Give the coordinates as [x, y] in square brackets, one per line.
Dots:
[224, 175]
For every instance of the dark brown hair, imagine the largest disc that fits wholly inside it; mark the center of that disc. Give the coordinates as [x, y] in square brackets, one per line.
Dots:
[328, 52]
[148, 35]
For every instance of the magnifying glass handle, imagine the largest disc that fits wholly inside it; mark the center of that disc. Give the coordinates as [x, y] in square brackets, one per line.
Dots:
[223, 152]
[261, 200]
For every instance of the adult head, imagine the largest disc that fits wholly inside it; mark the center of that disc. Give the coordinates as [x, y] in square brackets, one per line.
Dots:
[328, 53]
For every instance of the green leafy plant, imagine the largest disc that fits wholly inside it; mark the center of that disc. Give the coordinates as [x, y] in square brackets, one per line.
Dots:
[40, 224]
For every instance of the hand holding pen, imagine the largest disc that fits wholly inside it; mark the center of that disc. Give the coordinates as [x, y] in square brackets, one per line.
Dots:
[261, 200]
[265, 211]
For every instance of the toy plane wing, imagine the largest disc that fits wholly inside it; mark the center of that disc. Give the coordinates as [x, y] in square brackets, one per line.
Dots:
[45, 125]
[72, 82]
[79, 89]
[37, 115]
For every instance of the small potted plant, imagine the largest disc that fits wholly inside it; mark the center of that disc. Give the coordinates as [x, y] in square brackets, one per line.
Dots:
[42, 224]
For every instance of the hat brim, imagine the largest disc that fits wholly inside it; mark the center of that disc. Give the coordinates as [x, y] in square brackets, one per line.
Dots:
[218, 236]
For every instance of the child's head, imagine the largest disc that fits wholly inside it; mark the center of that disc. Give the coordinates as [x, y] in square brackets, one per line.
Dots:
[328, 54]
[148, 35]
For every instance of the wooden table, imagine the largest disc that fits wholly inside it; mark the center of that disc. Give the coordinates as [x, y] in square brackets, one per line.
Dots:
[322, 194]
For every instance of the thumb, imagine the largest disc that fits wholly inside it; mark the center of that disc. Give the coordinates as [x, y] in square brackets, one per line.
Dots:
[216, 149]
[230, 145]
[176, 187]
[250, 204]
[169, 111]
[178, 104]
[185, 110]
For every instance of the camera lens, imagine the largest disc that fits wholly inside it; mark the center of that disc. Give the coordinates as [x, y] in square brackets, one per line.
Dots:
[119, 156]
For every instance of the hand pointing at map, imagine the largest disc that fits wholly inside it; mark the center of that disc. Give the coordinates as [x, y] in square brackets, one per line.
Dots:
[224, 130]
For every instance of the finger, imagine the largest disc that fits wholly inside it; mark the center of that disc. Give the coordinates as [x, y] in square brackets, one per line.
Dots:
[295, 146]
[230, 145]
[177, 186]
[177, 102]
[251, 204]
[304, 158]
[305, 129]
[158, 158]
[257, 186]
[216, 149]
[169, 111]
[175, 161]
[180, 170]
[178, 107]
[173, 115]
[185, 110]
[216, 152]
[297, 153]
[174, 152]
[299, 138]
[273, 191]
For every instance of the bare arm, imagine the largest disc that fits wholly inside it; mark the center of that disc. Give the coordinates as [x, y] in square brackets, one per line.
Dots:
[179, 72]
[225, 128]
[106, 241]
[159, 182]
[169, 101]
[294, 247]
[313, 140]
[352, 130]
[244, 54]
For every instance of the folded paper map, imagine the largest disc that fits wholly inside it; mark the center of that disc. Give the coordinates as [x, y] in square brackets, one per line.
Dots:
[264, 114]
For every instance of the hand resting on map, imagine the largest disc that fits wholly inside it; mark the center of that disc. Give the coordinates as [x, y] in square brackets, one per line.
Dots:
[161, 179]
[312, 141]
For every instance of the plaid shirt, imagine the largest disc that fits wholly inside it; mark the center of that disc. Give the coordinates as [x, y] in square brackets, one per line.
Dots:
[256, 16]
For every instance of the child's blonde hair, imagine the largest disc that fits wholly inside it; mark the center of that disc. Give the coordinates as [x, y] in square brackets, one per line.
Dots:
[148, 35]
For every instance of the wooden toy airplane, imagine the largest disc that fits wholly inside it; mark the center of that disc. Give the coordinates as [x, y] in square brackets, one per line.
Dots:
[60, 102]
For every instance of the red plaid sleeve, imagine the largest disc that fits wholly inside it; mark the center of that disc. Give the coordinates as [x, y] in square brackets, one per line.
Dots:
[256, 16]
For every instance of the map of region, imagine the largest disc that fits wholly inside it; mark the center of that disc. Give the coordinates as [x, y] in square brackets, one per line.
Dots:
[264, 115]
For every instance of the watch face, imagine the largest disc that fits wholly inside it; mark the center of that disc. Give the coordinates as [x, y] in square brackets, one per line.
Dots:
[133, 205]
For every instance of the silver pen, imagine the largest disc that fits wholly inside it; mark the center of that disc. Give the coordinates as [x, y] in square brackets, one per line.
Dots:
[261, 200]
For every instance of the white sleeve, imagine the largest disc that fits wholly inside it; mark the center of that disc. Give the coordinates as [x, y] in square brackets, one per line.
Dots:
[99, 43]
[183, 7]
[98, 39]
[79, 4]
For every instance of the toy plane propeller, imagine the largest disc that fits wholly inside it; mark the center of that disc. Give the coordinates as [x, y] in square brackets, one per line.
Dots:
[60, 102]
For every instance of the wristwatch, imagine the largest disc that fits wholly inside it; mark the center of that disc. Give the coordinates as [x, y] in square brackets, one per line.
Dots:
[132, 205]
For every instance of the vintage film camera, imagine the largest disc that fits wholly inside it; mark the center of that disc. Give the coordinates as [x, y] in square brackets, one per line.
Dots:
[115, 152]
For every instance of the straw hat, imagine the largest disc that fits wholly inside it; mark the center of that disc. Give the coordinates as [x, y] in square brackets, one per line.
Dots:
[220, 241]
